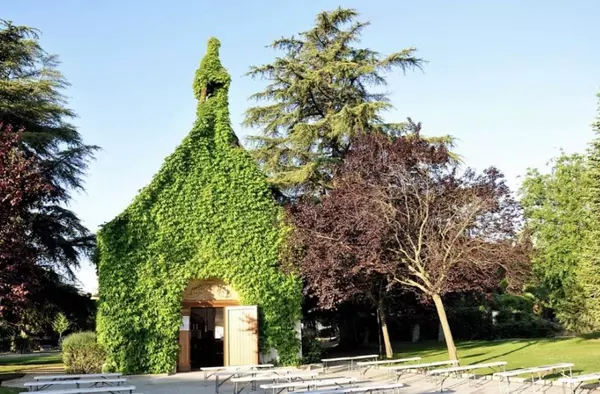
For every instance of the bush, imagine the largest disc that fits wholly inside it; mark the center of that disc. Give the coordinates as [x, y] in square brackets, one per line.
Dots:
[471, 323]
[514, 303]
[311, 350]
[81, 353]
[516, 324]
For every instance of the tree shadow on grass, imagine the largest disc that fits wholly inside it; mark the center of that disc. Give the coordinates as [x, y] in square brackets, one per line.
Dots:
[10, 376]
[477, 344]
[498, 342]
[592, 335]
[557, 375]
[531, 343]
[474, 355]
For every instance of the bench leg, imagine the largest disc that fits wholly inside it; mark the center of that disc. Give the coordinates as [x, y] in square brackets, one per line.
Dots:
[442, 381]
[572, 388]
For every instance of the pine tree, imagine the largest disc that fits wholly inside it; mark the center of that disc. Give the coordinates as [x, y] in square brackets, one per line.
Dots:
[589, 272]
[321, 92]
[31, 100]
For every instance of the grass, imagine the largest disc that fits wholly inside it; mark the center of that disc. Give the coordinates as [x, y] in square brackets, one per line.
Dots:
[29, 362]
[584, 353]
[11, 390]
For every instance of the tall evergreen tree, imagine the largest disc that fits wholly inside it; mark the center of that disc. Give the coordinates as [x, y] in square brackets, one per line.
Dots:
[589, 273]
[31, 100]
[321, 92]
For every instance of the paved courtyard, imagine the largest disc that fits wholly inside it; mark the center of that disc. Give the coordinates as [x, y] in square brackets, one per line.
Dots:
[194, 383]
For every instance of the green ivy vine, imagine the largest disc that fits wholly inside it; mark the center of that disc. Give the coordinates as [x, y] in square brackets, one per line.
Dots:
[208, 213]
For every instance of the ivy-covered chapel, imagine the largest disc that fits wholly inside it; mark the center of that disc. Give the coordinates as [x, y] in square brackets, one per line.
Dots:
[189, 273]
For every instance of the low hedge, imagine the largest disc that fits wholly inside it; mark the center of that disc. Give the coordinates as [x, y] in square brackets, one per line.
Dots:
[81, 353]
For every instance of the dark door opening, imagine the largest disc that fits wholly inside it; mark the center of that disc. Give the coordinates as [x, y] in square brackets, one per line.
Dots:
[207, 330]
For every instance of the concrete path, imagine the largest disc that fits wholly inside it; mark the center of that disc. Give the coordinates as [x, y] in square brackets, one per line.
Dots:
[194, 383]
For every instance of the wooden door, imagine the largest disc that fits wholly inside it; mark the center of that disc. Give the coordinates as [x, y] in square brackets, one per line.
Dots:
[241, 335]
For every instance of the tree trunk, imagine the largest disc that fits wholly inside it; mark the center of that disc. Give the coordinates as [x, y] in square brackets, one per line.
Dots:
[439, 306]
[379, 339]
[416, 333]
[365, 339]
[389, 353]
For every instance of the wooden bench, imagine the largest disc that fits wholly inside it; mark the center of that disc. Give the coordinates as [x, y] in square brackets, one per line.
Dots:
[310, 384]
[325, 361]
[81, 376]
[370, 364]
[445, 373]
[575, 382]
[94, 390]
[207, 370]
[42, 385]
[423, 367]
[538, 372]
[270, 377]
[361, 389]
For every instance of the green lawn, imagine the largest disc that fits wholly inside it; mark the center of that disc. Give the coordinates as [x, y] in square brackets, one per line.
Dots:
[27, 362]
[11, 390]
[584, 353]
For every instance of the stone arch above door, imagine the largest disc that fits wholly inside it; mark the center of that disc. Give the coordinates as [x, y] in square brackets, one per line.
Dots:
[209, 292]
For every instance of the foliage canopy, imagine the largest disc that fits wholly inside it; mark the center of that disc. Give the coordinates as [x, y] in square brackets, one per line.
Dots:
[589, 274]
[321, 92]
[557, 217]
[562, 212]
[22, 191]
[31, 101]
[400, 209]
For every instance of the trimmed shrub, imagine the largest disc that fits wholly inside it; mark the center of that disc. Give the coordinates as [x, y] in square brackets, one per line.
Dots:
[81, 353]
[516, 324]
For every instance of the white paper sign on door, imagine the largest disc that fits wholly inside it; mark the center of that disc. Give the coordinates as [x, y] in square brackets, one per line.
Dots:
[185, 323]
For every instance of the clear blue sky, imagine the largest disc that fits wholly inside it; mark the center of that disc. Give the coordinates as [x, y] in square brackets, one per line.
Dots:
[514, 81]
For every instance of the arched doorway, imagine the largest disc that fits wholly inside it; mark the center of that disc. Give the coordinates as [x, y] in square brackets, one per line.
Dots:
[216, 330]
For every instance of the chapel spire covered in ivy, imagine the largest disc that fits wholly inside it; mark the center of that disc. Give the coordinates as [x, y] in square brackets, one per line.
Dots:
[211, 88]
